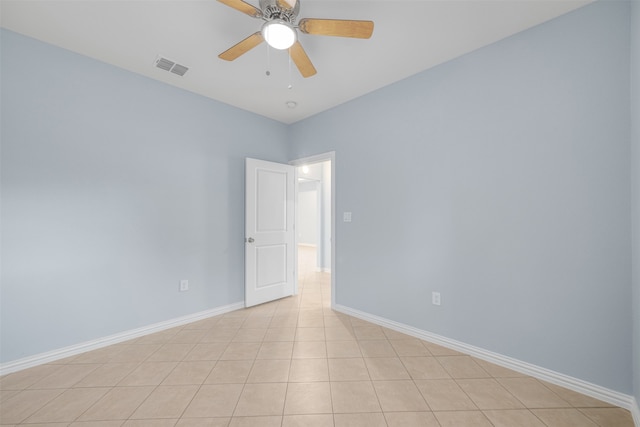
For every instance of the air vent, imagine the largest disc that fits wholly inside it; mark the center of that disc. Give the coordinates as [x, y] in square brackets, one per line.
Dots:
[168, 65]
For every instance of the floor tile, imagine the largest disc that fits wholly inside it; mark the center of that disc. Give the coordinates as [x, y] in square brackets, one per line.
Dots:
[462, 367]
[216, 400]
[532, 393]
[23, 379]
[462, 419]
[116, 423]
[438, 350]
[134, 352]
[616, 417]
[150, 423]
[314, 420]
[68, 406]
[489, 394]
[268, 421]
[230, 371]
[117, 404]
[221, 335]
[444, 395]
[395, 335]
[409, 347]
[360, 420]
[576, 399]
[407, 419]
[424, 368]
[339, 334]
[66, 376]
[186, 373]
[377, 348]
[261, 399]
[107, 375]
[280, 333]
[512, 418]
[354, 396]
[276, 350]
[166, 402]
[310, 334]
[171, 352]
[203, 422]
[241, 351]
[497, 371]
[148, 373]
[187, 336]
[386, 368]
[206, 351]
[564, 417]
[19, 407]
[351, 369]
[399, 396]
[307, 370]
[336, 349]
[249, 335]
[369, 332]
[308, 398]
[309, 350]
[269, 371]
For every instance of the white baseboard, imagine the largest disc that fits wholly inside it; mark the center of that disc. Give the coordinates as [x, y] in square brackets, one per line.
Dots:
[635, 412]
[51, 356]
[597, 392]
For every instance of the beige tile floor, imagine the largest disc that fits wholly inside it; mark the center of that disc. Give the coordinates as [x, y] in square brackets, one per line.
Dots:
[290, 363]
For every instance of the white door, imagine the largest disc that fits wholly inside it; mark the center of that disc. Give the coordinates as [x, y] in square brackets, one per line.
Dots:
[269, 233]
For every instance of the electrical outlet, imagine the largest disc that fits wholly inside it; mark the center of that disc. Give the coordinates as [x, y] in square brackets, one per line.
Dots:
[184, 285]
[435, 298]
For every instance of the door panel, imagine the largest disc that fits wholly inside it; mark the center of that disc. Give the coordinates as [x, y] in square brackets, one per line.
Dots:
[269, 247]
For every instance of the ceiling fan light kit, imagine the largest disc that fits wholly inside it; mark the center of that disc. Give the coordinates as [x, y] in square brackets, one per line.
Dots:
[279, 30]
[279, 34]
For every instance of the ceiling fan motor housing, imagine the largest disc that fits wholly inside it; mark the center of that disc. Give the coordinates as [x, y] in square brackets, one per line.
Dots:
[280, 9]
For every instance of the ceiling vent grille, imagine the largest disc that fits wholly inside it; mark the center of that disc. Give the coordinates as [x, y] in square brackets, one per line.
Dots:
[172, 67]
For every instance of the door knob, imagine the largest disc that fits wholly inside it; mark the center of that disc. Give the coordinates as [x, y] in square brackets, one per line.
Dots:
[250, 240]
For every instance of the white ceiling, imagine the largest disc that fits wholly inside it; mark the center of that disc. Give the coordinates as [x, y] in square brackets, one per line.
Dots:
[409, 37]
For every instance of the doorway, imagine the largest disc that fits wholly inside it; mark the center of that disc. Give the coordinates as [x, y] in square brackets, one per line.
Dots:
[315, 234]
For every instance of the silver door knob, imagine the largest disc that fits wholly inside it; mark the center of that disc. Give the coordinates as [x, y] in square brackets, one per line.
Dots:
[250, 240]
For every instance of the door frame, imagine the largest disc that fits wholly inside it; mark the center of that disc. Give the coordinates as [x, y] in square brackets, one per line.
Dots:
[318, 158]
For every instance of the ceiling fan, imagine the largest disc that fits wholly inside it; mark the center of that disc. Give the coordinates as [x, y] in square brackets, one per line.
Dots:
[279, 30]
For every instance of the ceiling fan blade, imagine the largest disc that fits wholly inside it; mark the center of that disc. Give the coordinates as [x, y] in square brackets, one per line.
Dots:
[336, 27]
[243, 7]
[243, 47]
[301, 60]
[287, 4]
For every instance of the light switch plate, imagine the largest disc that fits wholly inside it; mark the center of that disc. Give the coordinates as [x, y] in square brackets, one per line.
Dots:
[435, 298]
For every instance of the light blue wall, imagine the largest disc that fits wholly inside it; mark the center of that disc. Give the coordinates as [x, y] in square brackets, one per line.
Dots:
[635, 141]
[502, 180]
[114, 188]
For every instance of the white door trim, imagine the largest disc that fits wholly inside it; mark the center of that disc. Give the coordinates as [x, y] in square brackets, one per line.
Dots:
[329, 156]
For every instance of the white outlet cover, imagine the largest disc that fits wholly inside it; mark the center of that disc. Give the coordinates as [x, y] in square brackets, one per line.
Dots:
[184, 285]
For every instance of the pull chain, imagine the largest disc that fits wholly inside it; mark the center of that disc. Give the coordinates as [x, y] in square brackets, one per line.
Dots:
[290, 81]
[268, 73]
